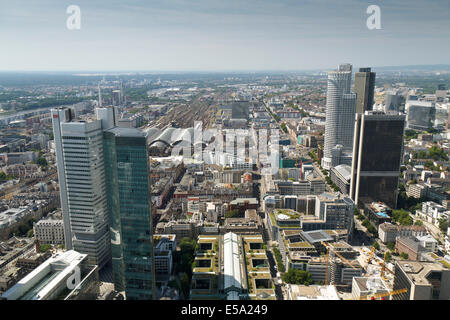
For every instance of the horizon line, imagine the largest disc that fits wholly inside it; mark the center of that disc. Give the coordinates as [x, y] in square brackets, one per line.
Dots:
[213, 70]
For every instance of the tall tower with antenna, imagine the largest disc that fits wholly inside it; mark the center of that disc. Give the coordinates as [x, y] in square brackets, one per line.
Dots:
[99, 96]
[122, 100]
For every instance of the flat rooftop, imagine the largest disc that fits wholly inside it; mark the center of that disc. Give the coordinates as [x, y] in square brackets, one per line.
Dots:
[316, 236]
[372, 284]
[418, 271]
[301, 292]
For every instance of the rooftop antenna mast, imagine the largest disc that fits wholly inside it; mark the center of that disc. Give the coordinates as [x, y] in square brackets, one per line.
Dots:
[99, 96]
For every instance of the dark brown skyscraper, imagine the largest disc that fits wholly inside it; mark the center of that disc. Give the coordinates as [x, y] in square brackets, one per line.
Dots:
[377, 155]
[364, 89]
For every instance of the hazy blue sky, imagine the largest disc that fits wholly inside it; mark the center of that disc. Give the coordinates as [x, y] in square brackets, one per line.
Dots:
[221, 34]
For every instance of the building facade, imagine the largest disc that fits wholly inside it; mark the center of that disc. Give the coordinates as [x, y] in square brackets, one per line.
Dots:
[129, 203]
[364, 89]
[423, 281]
[81, 175]
[49, 231]
[339, 116]
[377, 156]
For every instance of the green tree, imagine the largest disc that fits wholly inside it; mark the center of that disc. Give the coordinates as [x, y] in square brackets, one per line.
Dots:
[42, 162]
[185, 257]
[404, 255]
[443, 224]
[4, 176]
[411, 134]
[44, 247]
[188, 245]
[232, 214]
[391, 245]
[295, 276]
[279, 259]
[402, 217]
[422, 154]
[30, 233]
[437, 153]
[376, 245]
[185, 285]
[173, 284]
[418, 223]
[388, 256]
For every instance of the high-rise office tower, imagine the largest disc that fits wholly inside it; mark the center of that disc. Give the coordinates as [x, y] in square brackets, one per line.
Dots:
[377, 156]
[129, 203]
[116, 97]
[81, 173]
[421, 114]
[392, 101]
[364, 89]
[340, 117]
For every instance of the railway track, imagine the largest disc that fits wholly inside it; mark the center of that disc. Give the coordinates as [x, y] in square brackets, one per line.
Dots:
[184, 116]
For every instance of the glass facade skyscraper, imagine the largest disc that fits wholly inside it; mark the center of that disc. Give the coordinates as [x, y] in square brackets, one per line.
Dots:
[129, 204]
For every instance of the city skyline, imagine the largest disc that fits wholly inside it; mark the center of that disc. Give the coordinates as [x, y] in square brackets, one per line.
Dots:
[230, 151]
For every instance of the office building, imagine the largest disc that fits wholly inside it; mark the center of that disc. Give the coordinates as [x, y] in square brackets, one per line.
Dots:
[164, 246]
[129, 204]
[392, 101]
[367, 286]
[117, 97]
[411, 247]
[49, 231]
[330, 212]
[81, 175]
[340, 117]
[341, 176]
[231, 267]
[52, 280]
[377, 156]
[421, 114]
[377, 213]
[423, 280]
[388, 232]
[335, 211]
[364, 89]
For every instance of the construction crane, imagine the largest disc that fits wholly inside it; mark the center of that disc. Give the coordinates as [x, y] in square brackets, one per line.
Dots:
[381, 295]
[384, 268]
[344, 260]
[371, 255]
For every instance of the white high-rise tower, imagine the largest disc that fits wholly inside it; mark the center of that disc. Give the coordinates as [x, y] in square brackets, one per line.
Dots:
[340, 118]
[81, 174]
